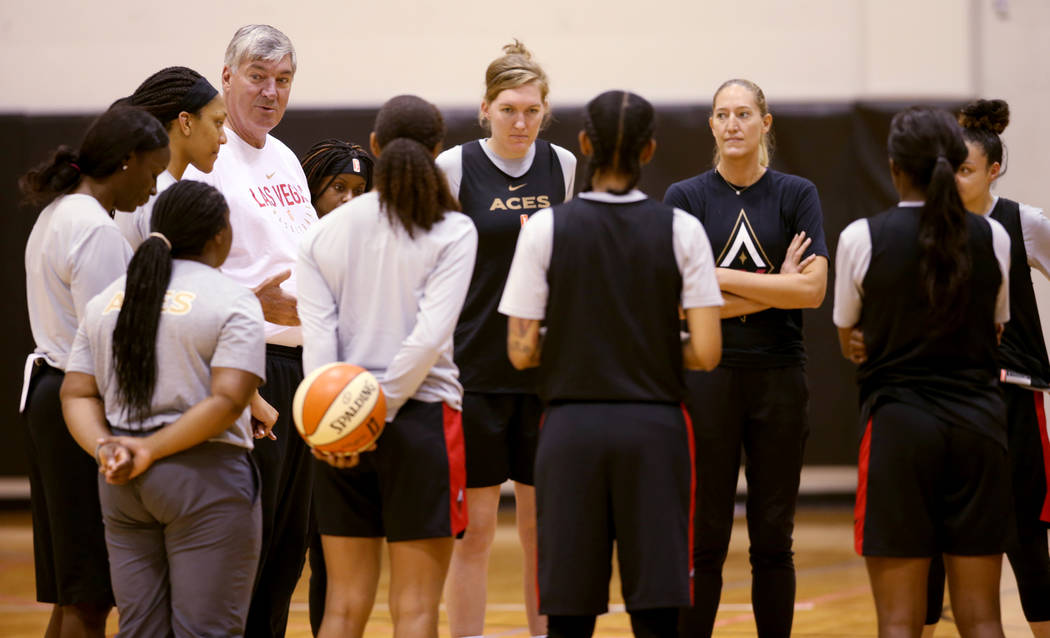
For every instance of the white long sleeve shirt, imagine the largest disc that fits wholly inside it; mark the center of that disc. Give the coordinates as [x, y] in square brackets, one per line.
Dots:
[372, 296]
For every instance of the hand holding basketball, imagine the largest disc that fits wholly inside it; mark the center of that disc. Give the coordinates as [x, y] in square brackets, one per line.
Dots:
[339, 408]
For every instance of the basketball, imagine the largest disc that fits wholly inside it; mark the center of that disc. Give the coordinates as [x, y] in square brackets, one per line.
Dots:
[339, 408]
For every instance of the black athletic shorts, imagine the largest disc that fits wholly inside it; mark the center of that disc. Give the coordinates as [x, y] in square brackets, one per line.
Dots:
[69, 544]
[927, 487]
[500, 431]
[1029, 450]
[411, 487]
[614, 472]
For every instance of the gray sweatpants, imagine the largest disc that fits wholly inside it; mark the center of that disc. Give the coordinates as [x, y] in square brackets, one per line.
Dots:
[183, 542]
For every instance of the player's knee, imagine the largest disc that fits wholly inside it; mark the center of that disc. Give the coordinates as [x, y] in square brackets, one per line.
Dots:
[712, 558]
[412, 610]
[478, 536]
[90, 615]
[768, 560]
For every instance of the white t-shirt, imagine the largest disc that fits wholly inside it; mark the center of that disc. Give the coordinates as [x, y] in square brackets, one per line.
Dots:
[1035, 230]
[526, 292]
[853, 257]
[135, 225]
[270, 211]
[74, 251]
[372, 296]
[451, 163]
[206, 321]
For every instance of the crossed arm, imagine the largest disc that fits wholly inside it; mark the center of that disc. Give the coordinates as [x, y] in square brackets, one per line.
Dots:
[801, 283]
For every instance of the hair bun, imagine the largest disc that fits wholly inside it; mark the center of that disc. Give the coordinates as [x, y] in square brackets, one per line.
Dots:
[993, 115]
[517, 48]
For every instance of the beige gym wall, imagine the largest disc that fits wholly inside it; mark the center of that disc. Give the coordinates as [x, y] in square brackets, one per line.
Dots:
[67, 56]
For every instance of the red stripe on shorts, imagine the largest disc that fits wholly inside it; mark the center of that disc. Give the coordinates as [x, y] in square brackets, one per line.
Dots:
[1044, 436]
[860, 509]
[457, 468]
[692, 500]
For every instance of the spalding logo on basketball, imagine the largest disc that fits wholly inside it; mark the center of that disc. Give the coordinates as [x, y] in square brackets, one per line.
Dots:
[339, 408]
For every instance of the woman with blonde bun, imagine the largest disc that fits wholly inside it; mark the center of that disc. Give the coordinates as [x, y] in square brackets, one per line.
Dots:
[500, 181]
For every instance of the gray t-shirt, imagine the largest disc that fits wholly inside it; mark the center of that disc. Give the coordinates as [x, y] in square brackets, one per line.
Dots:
[207, 321]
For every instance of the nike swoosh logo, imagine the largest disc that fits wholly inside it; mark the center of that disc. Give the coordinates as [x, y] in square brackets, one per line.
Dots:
[514, 188]
[271, 175]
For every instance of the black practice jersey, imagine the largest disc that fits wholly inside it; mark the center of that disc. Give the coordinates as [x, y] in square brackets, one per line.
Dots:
[614, 261]
[499, 204]
[1023, 348]
[950, 371]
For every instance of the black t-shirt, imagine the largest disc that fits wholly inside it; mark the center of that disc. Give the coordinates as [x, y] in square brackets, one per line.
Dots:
[750, 229]
[498, 204]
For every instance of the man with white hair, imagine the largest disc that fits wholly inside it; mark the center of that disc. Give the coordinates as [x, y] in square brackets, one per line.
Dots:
[270, 209]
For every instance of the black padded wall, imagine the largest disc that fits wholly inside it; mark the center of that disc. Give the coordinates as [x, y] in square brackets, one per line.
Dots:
[840, 147]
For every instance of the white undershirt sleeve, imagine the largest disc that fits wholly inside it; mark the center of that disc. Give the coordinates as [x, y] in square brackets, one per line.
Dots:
[1035, 229]
[851, 265]
[451, 163]
[696, 263]
[526, 291]
[443, 296]
[1001, 245]
[568, 167]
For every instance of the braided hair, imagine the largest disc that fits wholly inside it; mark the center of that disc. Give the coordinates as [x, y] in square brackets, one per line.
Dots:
[618, 124]
[926, 144]
[171, 91]
[188, 214]
[116, 134]
[413, 190]
[330, 158]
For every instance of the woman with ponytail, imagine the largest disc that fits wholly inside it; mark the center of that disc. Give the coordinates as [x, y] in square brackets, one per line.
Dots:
[500, 181]
[336, 172]
[927, 282]
[1022, 352]
[192, 112]
[614, 462]
[382, 280]
[157, 389]
[74, 251]
[766, 229]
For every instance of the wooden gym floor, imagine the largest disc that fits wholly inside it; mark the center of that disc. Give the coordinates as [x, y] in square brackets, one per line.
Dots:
[833, 596]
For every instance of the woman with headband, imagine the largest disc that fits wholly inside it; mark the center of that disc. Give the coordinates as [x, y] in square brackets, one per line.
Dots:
[157, 388]
[74, 251]
[192, 112]
[336, 172]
